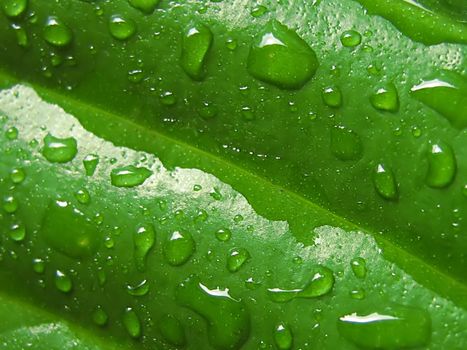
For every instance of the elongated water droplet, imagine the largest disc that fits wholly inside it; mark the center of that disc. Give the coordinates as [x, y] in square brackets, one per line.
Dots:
[145, 6]
[58, 150]
[57, 33]
[131, 323]
[351, 38]
[69, 231]
[90, 164]
[17, 175]
[280, 57]
[197, 41]
[143, 240]
[10, 204]
[332, 96]
[22, 38]
[446, 94]
[129, 176]
[358, 267]
[63, 282]
[394, 327]
[17, 232]
[237, 258]
[14, 8]
[172, 330]
[227, 319]
[223, 234]
[385, 98]
[283, 337]
[121, 28]
[178, 248]
[138, 290]
[345, 143]
[99, 316]
[442, 165]
[385, 182]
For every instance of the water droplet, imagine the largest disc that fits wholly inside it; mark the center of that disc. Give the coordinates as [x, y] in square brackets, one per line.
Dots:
[259, 11]
[283, 337]
[359, 267]
[68, 230]
[12, 133]
[247, 113]
[238, 218]
[129, 176]
[228, 321]
[21, 35]
[208, 110]
[143, 240]
[17, 232]
[231, 44]
[280, 57]
[90, 164]
[172, 330]
[197, 188]
[109, 242]
[358, 294]
[320, 284]
[145, 6]
[57, 33]
[392, 327]
[442, 165]
[10, 204]
[138, 290]
[99, 316]
[131, 323]
[446, 94]
[223, 234]
[351, 38]
[14, 8]
[216, 194]
[201, 216]
[63, 282]
[237, 258]
[57, 150]
[385, 98]
[416, 132]
[178, 248]
[332, 96]
[135, 76]
[83, 196]
[38, 265]
[385, 182]
[345, 143]
[17, 175]
[197, 41]
[121, 28]
[168, 98]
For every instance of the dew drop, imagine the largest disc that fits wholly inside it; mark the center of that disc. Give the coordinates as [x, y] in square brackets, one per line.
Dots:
[385, 98]
[197, 41]
[17, 175]
[283, 337]
[280, 57]
[99, 316]
[143, 240]
[145, 6]
[57, 33]
[11, 133]
[208, 110]
[332, 96]
[351, 38]
[121, 28]
[83, 196]
[14, 8]
[168, 98]
[442, 165]
[223, 234]
[58, 150]
[38, 265]
[129, 176]
[17, 232]
[63, 282]
[178, 248]
[21, 35]
[237, 259]
[90, 164]
[10, 204]
[345, 143]
[231, 44]
[392, 327]
[172, 330]
[358, 266]
[131, 323]
[138, 290]
[135, 76]
[358, 294]
[259, 11]
[385, 182]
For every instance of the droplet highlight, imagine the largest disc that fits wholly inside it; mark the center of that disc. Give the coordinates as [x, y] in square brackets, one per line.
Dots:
[237, 259]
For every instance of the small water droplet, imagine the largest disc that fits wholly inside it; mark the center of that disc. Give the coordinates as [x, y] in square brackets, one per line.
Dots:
[90, 164]
[57, 33]
[197, 41]
[145, 6]
[172, 330]
[131, 323]
[351, 38]
[223, 234]
[237, 259]
[216, 194]
[231, 44]
[345, 143]
[138, 290]
[21, 35]
[442, 165]
[17, 175]
[197, 188]
[10, 204]
[178, 248]
[143, 240]
[247, 113]
[63, 282]
[135, 76]
[358, 294]
[129, 176]
[109, 242]
[11, 133]
[167, 98]
[208, 110]
[38, 265]
[59, 150]
[416, 132]
[359, 267]
[280, 57]
[238, 218]
[17, 232]
[332, 96]
[14, 8]
[99, 316]
[121, 28]
[385, 182]
[259, 11]
[201, 216]
[385, 98]
[83, 196]
[283, 337]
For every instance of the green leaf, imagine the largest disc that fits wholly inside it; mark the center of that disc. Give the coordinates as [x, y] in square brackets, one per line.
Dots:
[166, 186]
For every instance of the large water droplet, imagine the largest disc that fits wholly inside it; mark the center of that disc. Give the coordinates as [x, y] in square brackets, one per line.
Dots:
[283, 337]
[138, 290]
[392, 327]
[129, 176]
[90, 164]
[178, 248]
[131, 323]
[351, 38]
[57, 150]
[442, 165]
[99, 316]
[385, 182]
[446, 94]
[172, 330]
[237, 258]
[63, 282]
[69, 231]
[385, 98]
[345, 143]
[197, 41]
[227, 319]
[332, 96]
[57, 33]
[145, 6]
[121, 28]
[14, 8]
[358, 267]
[143, 240]
[280, 57]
